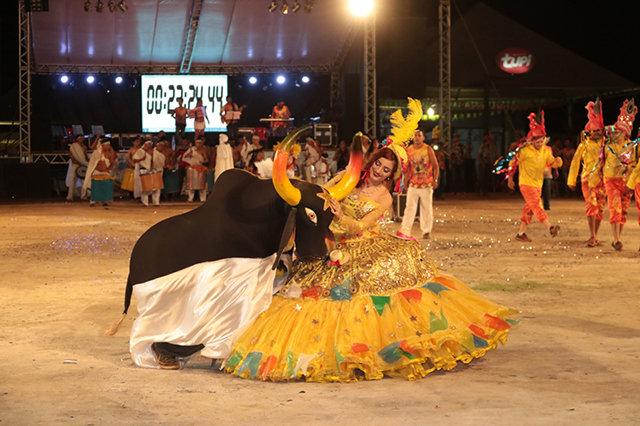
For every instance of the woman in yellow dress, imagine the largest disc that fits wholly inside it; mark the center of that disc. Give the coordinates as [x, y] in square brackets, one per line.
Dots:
[377, 306]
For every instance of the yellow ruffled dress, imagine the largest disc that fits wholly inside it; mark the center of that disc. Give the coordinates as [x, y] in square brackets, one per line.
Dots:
[383, 310]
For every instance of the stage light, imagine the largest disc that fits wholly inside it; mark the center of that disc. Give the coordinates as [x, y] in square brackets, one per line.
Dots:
[296, 6]
[99, 6]
[430, 112]
[123, 6]
[253, 80]
[112, 6]
[87, 5]
[273, 6]
[280, 79]
[285, 7]
[118, 80]
[305, 79]
[361, 8]
[436, 147]
[90, 79]
[308, 6]
[64, 79]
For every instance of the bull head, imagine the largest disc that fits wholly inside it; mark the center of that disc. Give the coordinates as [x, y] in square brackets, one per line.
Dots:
[310, 215]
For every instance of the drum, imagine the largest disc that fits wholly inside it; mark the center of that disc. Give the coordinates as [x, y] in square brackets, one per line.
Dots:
[81, 172]
[171, 180]
[196, 178]
[151, 181]
[127, 180]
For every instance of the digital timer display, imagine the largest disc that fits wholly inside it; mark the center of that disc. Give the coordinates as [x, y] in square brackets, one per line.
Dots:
[160, 94]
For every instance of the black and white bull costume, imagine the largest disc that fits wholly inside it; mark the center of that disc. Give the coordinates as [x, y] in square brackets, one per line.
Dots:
[246, 217]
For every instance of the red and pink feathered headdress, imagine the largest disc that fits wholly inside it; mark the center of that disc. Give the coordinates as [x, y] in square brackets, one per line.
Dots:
[536, 125]
[594, 115]
[627, 115]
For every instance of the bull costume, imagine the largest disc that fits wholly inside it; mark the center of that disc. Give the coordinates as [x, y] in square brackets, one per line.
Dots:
[619, 159]
[588, 155]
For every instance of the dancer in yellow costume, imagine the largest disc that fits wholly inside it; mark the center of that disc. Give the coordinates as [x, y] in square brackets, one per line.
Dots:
[377, 306]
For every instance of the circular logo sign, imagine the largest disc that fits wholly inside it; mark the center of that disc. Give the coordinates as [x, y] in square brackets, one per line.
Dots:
[515, 60]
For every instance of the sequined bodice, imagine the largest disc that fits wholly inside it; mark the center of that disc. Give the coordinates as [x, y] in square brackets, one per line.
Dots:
[357, 207]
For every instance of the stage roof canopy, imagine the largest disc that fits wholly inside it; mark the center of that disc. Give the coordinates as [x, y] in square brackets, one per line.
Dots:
[154, 33]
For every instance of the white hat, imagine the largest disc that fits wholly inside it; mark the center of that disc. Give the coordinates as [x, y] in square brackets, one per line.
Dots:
[223, 138]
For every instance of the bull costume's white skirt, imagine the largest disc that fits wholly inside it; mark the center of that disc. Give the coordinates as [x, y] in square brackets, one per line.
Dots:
[210, 303]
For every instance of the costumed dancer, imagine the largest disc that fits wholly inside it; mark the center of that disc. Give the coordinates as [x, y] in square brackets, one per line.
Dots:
[224, 156]
[199, 113]
[196, 157]
[148, 174]
[619, 159]
[129, 174]
[634, 184]
[99, 178]
[531, 159]
[377, 306]
[422, 175]
[588, 155]
[77, 159]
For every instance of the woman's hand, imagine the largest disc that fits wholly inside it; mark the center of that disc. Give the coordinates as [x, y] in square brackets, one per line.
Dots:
[336, 209]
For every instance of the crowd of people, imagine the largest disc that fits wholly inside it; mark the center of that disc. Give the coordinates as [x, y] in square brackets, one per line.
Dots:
[155, 169]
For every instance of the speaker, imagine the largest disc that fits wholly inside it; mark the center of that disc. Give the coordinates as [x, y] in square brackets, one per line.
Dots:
[323, 133]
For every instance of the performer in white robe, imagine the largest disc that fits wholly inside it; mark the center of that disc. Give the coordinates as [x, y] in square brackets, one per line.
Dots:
[224, 156]
[77, 158]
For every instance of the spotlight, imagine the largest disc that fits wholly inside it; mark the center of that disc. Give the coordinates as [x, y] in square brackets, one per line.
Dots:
[123, 6]
[99, 6]
[285, 7]
[112, 6]
[118, 80]
[90, 79]
[296, 6]
[273, 6]
[305, 79]
[308, 6]
[253, 80]
[361, 8]
[64, 79]
[430, 112]
[87, 5]
[280, 79]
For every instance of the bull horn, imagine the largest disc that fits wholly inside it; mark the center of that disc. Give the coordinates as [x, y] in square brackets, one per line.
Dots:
[281, 182]
[352, 173]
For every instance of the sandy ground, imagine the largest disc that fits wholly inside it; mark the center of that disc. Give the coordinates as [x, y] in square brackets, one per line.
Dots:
[572, 360]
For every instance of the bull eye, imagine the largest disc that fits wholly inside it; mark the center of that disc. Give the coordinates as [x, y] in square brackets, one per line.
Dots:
[313, 217]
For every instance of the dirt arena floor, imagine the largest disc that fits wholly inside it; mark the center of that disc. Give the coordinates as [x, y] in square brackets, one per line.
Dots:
[572, 360]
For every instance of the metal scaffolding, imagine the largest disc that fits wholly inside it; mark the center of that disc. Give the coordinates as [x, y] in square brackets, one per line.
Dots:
[24, 85]
[335, 86]
[444, 24]
[370, 96]
[190, 37]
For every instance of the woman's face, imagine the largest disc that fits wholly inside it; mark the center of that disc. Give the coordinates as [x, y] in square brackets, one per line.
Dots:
[380, 170]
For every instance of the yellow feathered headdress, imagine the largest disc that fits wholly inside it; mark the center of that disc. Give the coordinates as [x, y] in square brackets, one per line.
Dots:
[402, 131]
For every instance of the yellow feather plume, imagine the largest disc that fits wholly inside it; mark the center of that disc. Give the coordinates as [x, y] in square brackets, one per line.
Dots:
[403, 128]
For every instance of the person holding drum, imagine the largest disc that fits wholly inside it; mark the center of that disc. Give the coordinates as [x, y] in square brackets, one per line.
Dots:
[78, 163]
[149, 163]
[196, 157]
